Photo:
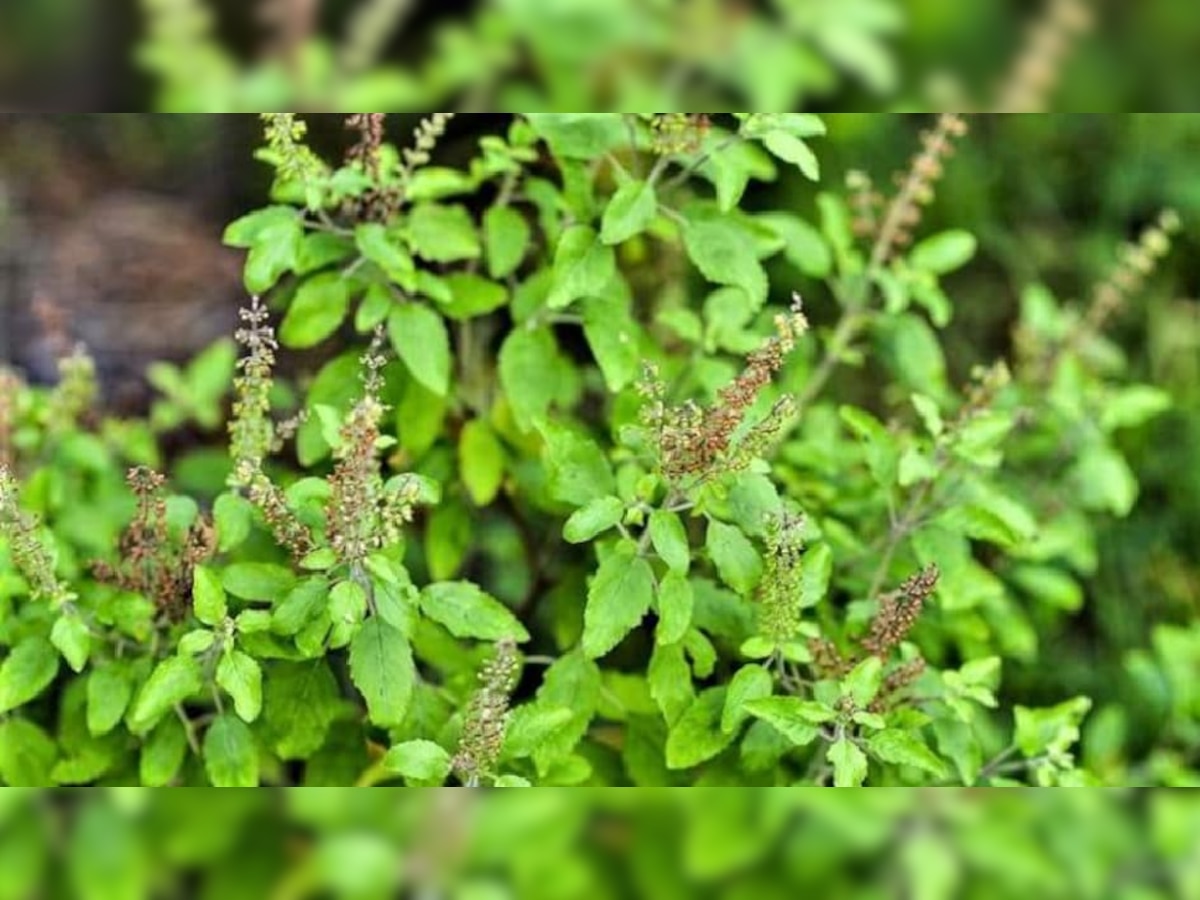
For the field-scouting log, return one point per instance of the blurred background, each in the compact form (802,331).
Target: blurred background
(134,843)
(769,55)
(110,233)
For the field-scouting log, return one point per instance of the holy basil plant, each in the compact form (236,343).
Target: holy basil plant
(576,492)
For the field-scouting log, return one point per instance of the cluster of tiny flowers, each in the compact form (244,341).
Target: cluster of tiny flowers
(284,134)
(1040,62)
(693,440)
(271,501)
(898,612)
(29,555)
(251,431)
(148,563)
(865,203)
(362,515)
(1135,263)
(779,590)
(676,133)
(915,186)
(379,202)
(75,392)
(425,138)
(11,386)
(487,716)
(370,141)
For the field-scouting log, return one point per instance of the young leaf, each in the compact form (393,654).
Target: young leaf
(619,596)
(26,672)
(240,676)
(467,612)
(697,735)
(381,667)
(862,682)
(422,343)
(174,680)
(628,213)
(208,596)
(943,252)
(418,760)
(319,307)
(669,539)
(577,470)
(594,518)
(506,235)
(725,254)
(481,461)
(443,234)
(375,244)
(750,682)
(736,560)
(849,763)
(265,582)
(163,752)
(676,602)
(233,516)
(901,748)
(71,636)
(230,756)
(583,267)
(796,719)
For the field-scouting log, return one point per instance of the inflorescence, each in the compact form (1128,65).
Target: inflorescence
(487,716)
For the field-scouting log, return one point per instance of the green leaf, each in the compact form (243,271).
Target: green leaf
(577,470)
(583,267)
(880,446)
(480,461)
(529,363)
(301,700)
(1051,729)
(239,676)
(725,254)
(266,582)
(230,755)
(697,735)
(670,680)
(736,560)
(579,135)
(614,340)
(669,539)
(163,752)
(274,237)
(630,210)
(618,598)
(422,342)
(797,720)
(173,680)
(928,410)
(109,690)
(815,573)
(319,307)
(1132,406)
(418,760)
(376,245)
(71,636)
(803,246)
(381,667)
(676,602)
(943,252)
(27,756)
(594,518)
(750,682)
(472,295)
(26,672)
(792,149)
(901,748)
(506,235)
(443,234)
(107,856)
(849,763)
(862,682)
(208,596)
(1103,481)
(233,516)
(467,612)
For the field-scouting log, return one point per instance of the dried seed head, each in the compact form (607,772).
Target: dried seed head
(487,716)
(898,612)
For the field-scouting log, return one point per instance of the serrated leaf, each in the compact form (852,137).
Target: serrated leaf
(375,244)
(902,748)
(381,667)
(208,596)
(798,720)
(583,267)
(849,763)
(240,676)
(595,517)
(750,682)
(737,561)
(669,539)
(26,672)
(319,307)
(725,254)
(71,636)
(506,236)
(697,736)
(419,760)
(676,602)
(466,611)
(173,680)
(619,597)
(230,755)
(443,234)
(630,210)
(862,682)
(421,341)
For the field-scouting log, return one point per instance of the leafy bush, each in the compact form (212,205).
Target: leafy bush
(580,504)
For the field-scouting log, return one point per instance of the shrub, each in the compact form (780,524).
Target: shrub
(581,504)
